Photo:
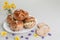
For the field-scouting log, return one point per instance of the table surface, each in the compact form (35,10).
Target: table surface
(47,11)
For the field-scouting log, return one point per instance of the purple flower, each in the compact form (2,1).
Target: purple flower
(32,30)
(6,37)
(29,34)
(13,34)
(49,34)
(42,37)
(26,38)
(21,36)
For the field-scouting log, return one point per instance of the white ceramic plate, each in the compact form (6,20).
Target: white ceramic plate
(6,27)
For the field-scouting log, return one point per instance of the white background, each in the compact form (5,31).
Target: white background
(47,11)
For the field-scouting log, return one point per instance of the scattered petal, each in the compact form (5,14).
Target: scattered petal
(3,33)
(17,38)
(35,35)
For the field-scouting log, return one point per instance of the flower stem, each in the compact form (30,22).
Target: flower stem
(9,11)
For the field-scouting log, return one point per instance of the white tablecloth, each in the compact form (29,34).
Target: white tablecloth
(47,11)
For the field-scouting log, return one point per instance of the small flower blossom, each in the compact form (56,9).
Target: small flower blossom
(3,33)
(35,35)
(6,5)
(17,38)
(13,5)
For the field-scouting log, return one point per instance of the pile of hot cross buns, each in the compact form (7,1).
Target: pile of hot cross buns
(20,19)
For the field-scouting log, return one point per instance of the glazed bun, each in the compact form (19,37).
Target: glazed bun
(9,19)
(20,20)
(16,26)
(20,14)
(19,25)
(29,19)
(29,22)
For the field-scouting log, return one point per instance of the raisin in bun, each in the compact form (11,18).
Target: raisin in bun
(29,22)
(20,14)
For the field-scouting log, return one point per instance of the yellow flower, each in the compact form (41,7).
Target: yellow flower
(35,35)
(6,3)
(17,38)
(6,7)
(13,5)
(3,33)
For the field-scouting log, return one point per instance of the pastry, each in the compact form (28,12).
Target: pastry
(19,25)
(29,22)
(19,20)
(16,26)
(9,19)
(43,29)
(20,14)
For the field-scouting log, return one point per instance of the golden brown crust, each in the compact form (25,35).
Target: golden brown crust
(9,18)
(19,25)
(20,19)
(20,14)
(16,26)
(29,22)
(28,19)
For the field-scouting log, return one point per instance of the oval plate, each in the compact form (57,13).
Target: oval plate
(6,27)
